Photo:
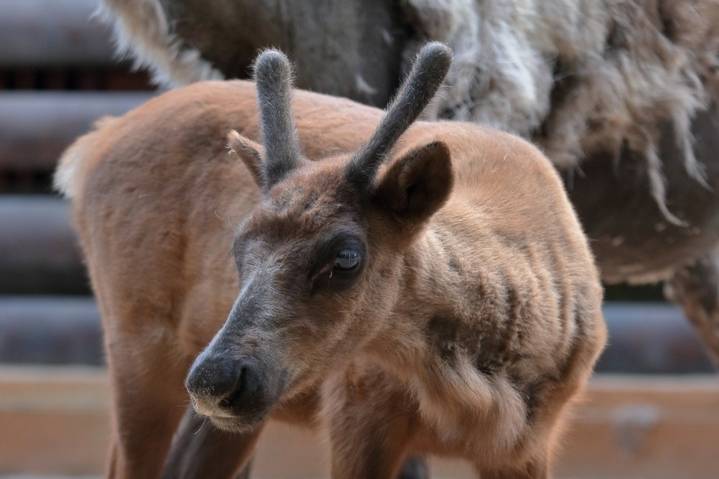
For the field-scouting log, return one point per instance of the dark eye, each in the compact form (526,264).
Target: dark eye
(347,260)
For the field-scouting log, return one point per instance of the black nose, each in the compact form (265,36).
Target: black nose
(229,386)
(247,395)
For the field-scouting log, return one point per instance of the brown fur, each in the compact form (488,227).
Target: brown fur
(467,334)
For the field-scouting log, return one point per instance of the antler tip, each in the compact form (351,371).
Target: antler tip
(272,61)
(436,53)
(437,49)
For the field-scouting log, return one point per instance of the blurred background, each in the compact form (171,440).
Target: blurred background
(652,411)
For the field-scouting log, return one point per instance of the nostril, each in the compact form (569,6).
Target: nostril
(236,395)
(240,393)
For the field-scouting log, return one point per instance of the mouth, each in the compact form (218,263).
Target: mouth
(234,424)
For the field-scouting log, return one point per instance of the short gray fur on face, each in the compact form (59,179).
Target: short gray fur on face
(417,90)
(273,76)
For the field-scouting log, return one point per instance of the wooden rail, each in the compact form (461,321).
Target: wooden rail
(54,421)
(50,330)
(36,127)
(38,248)
(52,32)
(644,338)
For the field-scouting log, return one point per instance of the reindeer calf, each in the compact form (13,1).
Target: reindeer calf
(425,287)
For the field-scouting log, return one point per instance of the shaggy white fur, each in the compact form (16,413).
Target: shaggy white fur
(575,76)
(141,30)
(580,76)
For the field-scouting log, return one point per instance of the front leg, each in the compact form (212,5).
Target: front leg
(371,426)
(201,450)
(147,388)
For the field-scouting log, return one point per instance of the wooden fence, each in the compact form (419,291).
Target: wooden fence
(54,420)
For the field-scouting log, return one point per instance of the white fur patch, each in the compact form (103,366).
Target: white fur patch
(140,28)
(462,404)
(65,178)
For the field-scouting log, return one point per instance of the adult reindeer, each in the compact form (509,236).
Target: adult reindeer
(621,95)
(425,287)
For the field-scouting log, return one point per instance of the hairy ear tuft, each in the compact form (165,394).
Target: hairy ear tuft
(249,152)
(417,183)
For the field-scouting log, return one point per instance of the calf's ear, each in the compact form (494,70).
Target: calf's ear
(249,152)
(416,184)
